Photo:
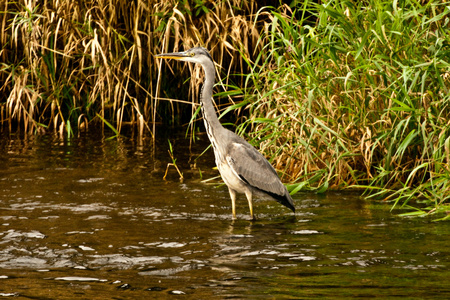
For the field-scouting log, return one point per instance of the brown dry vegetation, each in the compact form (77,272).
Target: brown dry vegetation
(338,94)
(66,64)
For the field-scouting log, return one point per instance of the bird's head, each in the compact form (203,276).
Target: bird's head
(195,55)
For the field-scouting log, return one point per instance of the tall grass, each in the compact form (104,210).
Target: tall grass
(65,65)
(340,94)
(356,94)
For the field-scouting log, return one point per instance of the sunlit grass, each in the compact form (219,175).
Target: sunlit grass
(341,94)
(67,64)
(355,94)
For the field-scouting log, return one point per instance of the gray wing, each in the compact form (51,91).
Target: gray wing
(253,168)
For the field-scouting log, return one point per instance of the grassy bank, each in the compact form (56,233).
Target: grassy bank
(341,94)
(355,94)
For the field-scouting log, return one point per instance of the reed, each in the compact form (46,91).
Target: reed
(355,94)
(340,94)
(65,65)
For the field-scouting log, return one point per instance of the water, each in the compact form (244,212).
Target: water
(93,218)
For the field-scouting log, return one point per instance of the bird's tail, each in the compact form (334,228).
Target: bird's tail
(285,199)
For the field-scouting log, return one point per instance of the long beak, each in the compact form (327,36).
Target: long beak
(175,55)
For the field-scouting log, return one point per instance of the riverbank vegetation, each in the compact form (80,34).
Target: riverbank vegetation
(339,94)
(66,65)
(347,94)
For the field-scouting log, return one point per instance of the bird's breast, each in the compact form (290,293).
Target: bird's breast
(230,178)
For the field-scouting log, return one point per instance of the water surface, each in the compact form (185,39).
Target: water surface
(93,218)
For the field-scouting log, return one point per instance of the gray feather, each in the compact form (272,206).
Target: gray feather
(253,168)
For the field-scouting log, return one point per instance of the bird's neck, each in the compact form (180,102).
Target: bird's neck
(209,113)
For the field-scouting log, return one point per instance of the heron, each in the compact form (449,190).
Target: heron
(243,169)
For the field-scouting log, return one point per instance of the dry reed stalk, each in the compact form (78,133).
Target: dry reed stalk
(91,57)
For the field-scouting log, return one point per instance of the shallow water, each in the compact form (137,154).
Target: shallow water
(93,218)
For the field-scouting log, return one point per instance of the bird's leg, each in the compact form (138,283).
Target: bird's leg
(233,202)
(248,194)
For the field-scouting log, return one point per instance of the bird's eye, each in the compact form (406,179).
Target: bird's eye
(192,54)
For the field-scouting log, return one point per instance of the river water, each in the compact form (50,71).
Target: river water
(93,218)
